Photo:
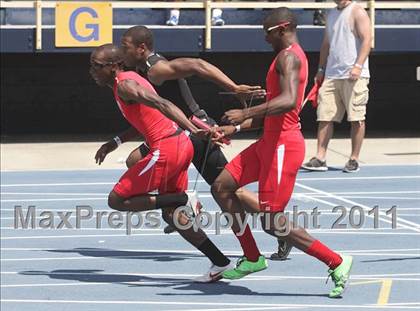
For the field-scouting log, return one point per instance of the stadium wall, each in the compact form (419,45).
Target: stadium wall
(52,93)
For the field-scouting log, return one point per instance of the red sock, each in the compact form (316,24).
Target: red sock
(323,253)
(248,245)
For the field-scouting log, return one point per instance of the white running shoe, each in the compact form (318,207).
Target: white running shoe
(217,21)
(172,21)
(214,274)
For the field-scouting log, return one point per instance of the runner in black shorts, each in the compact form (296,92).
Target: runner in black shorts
(138,48)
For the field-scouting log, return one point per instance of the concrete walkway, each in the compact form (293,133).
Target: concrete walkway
(56,156)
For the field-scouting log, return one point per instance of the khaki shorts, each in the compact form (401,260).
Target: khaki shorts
(337,96)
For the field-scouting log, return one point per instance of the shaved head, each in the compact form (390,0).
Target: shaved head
(108,53)
(105,62)
(281,15)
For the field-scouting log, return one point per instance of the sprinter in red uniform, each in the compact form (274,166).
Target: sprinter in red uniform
(165,167)
(274,160)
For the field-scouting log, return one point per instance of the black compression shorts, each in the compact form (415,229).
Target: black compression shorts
(215,162)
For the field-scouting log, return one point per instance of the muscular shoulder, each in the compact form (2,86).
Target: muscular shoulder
(287,60)
(157,71)
(127,90)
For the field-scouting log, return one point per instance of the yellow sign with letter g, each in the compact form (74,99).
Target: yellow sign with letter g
(83,24)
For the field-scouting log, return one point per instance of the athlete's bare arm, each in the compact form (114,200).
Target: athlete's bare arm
(130,134)
(288,67)
(248,124)
(362,29)
(323,57)
(186,67)
(132,92)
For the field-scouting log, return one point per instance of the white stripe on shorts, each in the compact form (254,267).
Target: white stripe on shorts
(280,158)
(152,162)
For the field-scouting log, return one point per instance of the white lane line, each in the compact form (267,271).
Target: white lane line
(312,198)
(201,196)
(83,284)
(409,215)
(345,200)
(403,304)
(191,167)
(384,250)
(317,199)
(60,184)
(53,200)
(388,275)
(102,170)
(391,164)
(85,236)
(261,308)
(94,229)
(203,181)
(64,284)
(75,184)
(376,198)
(241,309)
(72,199)
(402,222)
(189,303)
(54,193)
(370,192)
(297,197)
(65,209)
(166,281)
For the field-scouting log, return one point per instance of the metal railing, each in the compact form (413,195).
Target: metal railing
(208,5)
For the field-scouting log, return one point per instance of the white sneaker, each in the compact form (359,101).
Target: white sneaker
(217,21)
(172,21)
(194,203)
(214,274)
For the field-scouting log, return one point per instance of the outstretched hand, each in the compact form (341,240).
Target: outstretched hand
(246,92)
(104,150)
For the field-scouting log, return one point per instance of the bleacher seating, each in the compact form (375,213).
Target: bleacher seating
(397,30)
(19,16)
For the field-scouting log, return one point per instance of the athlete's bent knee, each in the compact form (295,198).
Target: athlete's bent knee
(224,185)
(275,224)
(116,202)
